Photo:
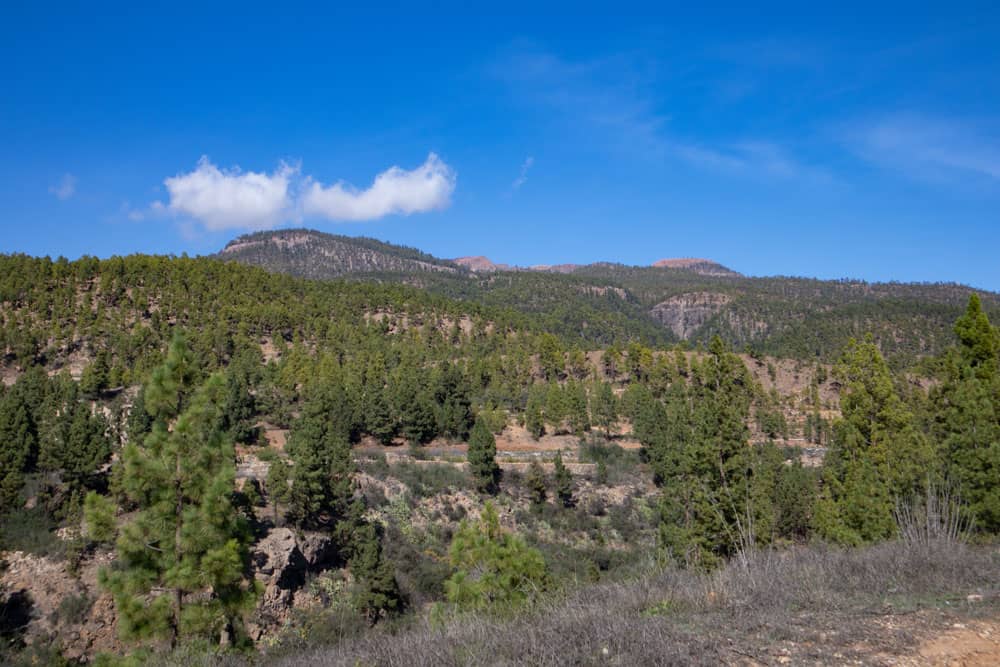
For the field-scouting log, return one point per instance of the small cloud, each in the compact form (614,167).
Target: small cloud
(65,189)
(755,159)
(927,148)
(522,178)
(156,210)
(232,199)
(394,191)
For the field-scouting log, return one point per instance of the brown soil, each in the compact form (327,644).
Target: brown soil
(975,644)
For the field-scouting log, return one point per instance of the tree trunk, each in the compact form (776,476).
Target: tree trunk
(176,623)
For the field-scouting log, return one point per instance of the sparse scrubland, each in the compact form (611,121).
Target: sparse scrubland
(204,463)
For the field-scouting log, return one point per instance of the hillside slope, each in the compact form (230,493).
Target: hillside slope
(673,300)
(310,254)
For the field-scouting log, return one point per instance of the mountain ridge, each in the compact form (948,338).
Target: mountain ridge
(690,299)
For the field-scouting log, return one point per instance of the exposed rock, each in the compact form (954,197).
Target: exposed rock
(684,314)
(281,562)
(704,267)
(42,587)
(318,550)
(278,560)
(480,263)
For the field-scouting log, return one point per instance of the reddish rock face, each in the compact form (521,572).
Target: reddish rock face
(705,267)
(478,263)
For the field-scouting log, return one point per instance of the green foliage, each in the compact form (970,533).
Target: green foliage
(279,492)
(73,440)
(99,518)
(877,454)
(319,444)
(452,402)
(534,419)
(18,445)
(979,342)
(605,406)
(494,568)
(536,483)
(966,416)
(563,482)
(182,558)
(717,491)
(550,357)
(95,377)
(482,456)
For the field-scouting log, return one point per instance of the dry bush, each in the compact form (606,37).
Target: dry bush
(815,597)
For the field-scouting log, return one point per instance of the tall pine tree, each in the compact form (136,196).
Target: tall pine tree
(877,455)
(482,456)
(182,559)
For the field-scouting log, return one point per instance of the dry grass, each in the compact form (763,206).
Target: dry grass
(814,604)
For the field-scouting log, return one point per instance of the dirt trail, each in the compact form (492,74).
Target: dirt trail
(972,644)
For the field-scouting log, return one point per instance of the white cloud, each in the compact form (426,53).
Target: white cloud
(220,199)
(522,178)
(927,148)
(619,98)
(761,160)
(394,191)
(232,199)
(65,189)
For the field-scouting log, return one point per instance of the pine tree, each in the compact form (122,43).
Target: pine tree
(612,360)
(139,422)
(240,409)
(979,342)
(414,405)
(579,415)
(550,357)
(877,455)
(715,501)
(18,445)
(534,420)
(378,593)
(535,481)
(493,566)
(563,481)
(556,407)
(601,475)
(94,379)
(966,416)
(182,559)
(454,409)
(278,490)
(379,421)
(319,445)
(605,407)
(482,458)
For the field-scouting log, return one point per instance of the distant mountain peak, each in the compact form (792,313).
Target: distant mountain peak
(705,267)
(480,264)
(312,254)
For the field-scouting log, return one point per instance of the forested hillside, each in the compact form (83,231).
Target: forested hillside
(782,316)
(309,254)
(201,458)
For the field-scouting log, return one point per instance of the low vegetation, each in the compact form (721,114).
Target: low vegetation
(233,464)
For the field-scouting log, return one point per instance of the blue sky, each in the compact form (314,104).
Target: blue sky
(862,141)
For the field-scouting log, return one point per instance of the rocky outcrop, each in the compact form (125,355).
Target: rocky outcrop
(53,602)
(704,267)
(281,561)
(684,314)
(480,264)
